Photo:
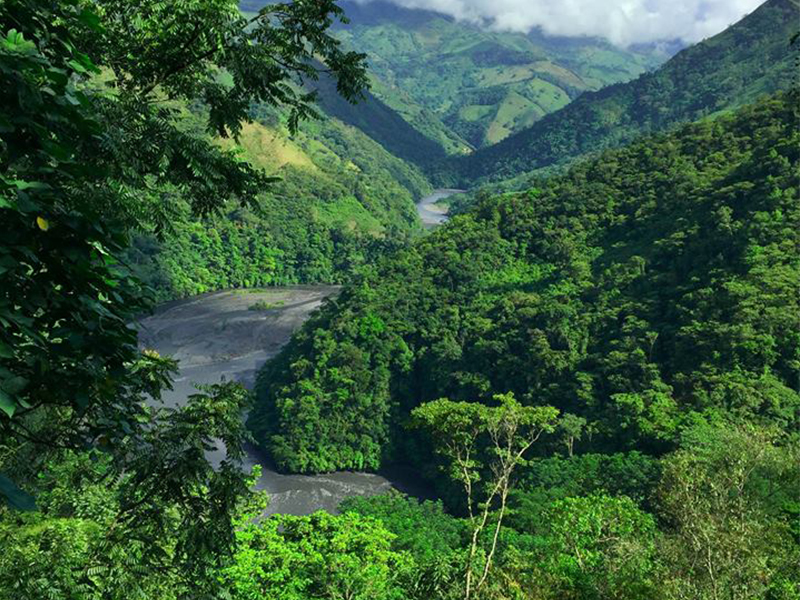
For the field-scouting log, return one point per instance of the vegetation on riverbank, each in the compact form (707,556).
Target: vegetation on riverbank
(324,218)
(340,200)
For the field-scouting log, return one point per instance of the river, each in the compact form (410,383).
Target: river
(430,214)
(217,336)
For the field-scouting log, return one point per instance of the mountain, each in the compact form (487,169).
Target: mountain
(645,290)
(349,181)
(751,58)
(480,85)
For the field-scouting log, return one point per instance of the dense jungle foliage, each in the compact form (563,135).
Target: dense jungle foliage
(648,289)
(729,70)
(651,296)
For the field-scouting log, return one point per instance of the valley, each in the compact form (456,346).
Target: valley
(711,78)
(430,213)
(228,336)
(470,87)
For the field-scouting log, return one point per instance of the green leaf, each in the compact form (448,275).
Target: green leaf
(7,404)
(15,497)
(29,185)
(76,66)
(14,385)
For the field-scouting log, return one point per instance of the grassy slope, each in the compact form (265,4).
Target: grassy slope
(732,69)
(338,161)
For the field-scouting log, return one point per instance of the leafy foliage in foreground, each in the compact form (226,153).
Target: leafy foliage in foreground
(720,525)
(91,148)
(158,524)
(648,289)
(720,74)
(319,556)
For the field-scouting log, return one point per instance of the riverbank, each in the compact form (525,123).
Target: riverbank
(231,335)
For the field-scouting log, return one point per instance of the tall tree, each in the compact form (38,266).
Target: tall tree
(729,497)
(457,429)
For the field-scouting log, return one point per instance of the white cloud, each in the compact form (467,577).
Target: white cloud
(623,22)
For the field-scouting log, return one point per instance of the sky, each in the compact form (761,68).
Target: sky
(622,22)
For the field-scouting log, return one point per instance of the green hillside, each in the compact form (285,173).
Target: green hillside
(341,199)
(380,122)
(729,70)
(647,290)
(482,85)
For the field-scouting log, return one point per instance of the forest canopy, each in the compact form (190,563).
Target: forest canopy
(648,289)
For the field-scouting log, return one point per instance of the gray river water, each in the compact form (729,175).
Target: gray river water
(216,336)
(429,213)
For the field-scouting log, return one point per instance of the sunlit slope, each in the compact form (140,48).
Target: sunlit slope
(340,199)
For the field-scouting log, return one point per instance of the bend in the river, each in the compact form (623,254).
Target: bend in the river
(219,336)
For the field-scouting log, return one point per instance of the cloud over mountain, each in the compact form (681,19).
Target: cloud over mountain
(623,22)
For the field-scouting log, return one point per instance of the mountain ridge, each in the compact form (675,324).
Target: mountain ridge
(481,84)
(709,77)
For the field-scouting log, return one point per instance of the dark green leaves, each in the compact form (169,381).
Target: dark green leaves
(92,20)
(83,162)
(7,403)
